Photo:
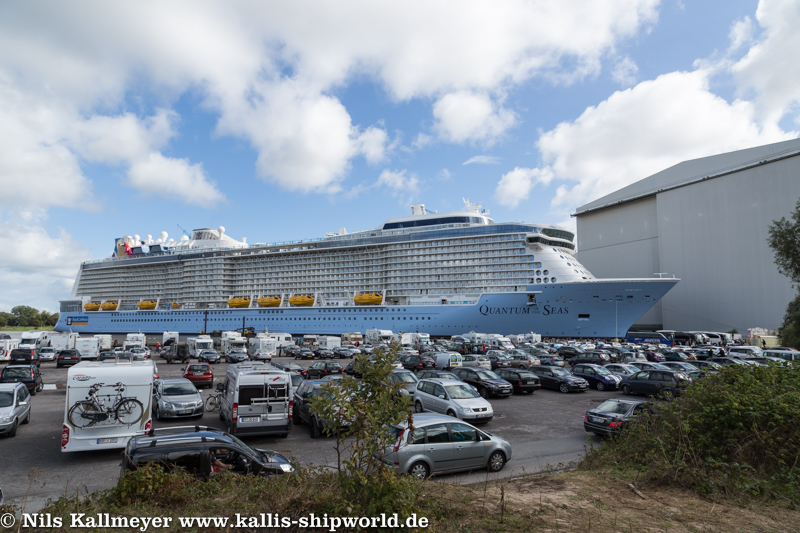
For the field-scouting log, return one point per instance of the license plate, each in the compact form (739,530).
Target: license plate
(198,373)
(106,441)
(483,416)
(249,419)
(185,412)
(594,419)
(584,386)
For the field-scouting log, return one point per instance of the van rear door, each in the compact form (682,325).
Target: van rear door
(278,391)
(253,408)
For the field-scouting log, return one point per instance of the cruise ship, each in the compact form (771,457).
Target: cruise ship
(438,273)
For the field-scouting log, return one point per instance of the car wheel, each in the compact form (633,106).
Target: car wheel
(33,390)
(58,366)
(284,435)
(27,418)
(419,470)
(668,394)
(484,392)
(563,388)
(418,407)
(452,413)
(626,390)
(13,431)
(156,412)
(313,428)
(297,420)
(601,386)
(222,418)
(496,461)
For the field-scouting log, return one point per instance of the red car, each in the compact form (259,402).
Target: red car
(200,374)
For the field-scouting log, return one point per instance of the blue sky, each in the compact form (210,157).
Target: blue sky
(286,121)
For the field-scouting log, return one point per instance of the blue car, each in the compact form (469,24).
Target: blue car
(597,376)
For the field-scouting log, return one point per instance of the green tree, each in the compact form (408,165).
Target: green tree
(784,239)
(789,332)
(27,316)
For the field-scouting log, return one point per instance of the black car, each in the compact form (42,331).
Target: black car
(609,417)
(208,356)
(560,379)
(570,351)
(202,452)
(24,356)
(498,361)
(592,358)
(174,353)
(667,383)
(343,352)
(237,355)
(437,374)
(291,367)
(523,381)
(302,406)
(323,368)
(302,353)
(68,357)
(597,376)
(486,382)
(418,362)
(28,375)
(104,354)
(324,353)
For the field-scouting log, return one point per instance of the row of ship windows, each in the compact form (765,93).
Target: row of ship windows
(275,319)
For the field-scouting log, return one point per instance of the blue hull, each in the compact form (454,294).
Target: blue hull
(587,309)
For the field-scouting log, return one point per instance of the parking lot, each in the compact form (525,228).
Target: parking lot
(544,429)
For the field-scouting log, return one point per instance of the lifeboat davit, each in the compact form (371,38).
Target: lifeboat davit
(175,305)
(301,300)
(147,304)
(108,306)
(368,299)
(91,306)
(239,302)
(269,301)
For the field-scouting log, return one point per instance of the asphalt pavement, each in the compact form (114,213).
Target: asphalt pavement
(545,430)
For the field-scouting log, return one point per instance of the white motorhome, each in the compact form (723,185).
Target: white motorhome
(33,340)
(107,431)
(63,341)
(474,338)
(105,341)
(231,340)
(352,338)
(134,340)
(420,339)
(6,345)
(310,340)
(262,347)
(198,344)
(282,339)
(256,400)
(173,336)
(498,341)
(88,347)
(406,339)
(533,337)
(329,343)
(376,336)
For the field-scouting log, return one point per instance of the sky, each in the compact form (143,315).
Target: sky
(288,120)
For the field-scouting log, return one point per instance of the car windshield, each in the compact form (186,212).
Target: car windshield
(405,377)
(461,392)
(600,371)
(17,373)
(69,352)
(47,350)
(197,368)
(483,358)
(656,366)
(485,374)
(6,399)
(209,352)
(179,389)
(526,375)
(611,406)
(560,371)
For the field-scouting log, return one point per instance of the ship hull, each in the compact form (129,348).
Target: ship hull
(588,309)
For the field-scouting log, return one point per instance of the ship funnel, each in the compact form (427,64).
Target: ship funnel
(418,209)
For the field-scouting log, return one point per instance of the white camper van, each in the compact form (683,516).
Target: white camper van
(88,348)
(6,345)
(107,403)
(376,336)
(134,340)
(105,341)
(256,400)
(63,341)
(198,344)
(282,339)
(33,340)
(231,340)
(262,347)
(173,336)
(329,343)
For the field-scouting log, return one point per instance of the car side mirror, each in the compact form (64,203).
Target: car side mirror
(441,396)
(23,403)
(183,369)
(41,373)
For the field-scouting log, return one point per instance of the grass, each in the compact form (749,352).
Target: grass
(26,328)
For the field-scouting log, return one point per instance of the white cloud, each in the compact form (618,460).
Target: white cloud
(402,185)
(637,132)
(422,140)
(121,139)
(465,116)
(444,175)
(741,33)
(166,178)
(483,160)
(624,71)
(515,186)
(372,143)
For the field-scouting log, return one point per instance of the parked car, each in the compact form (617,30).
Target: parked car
(592,358)
(144,352)
(102,355)
(453,398)
(302,414)
(291,367)
(706,366)
(47,354)
(498,360)
(437,374)
(24,356)
(302,353)
(175,398)
(344,352)
(551,360)
(200,374)
(15,407)
(209,449)
(322,368)
(559,379)
(726,361)
(324,353)
(407,379)
(597,376)
(680,366)
(610,417)
(523,381)
(476,360)
(434,442)
(567,352)
(667,383)
(645,365)
(485,381)
(677,356)
(208,356)
(418,362)
(621,369)
(27,375)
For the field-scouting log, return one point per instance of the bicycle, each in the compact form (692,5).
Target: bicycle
(213,402)
(88,412)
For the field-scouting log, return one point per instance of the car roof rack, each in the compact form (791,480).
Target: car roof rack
(184,429)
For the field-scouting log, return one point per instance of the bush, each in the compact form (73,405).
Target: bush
(736,433)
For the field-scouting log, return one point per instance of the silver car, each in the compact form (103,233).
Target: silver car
(407,379)
(174,398)
(479,361)
(15,407)
(453,398)
(622,370)
(47,354)
(444,444)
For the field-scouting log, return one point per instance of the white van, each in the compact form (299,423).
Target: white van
(111,417)
(256,400)
(448,360)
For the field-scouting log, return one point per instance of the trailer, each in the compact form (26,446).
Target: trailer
(262,347)
(106,342)
(6,345)
(310,340)
(329,343)
(352,338)
(88,348)
(168,336)
(63,341)
(420,340)
(282,339)
(198,344)
(107,427)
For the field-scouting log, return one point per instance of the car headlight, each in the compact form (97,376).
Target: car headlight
(492,385)
(287,468)
(466,410)
(5,419)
